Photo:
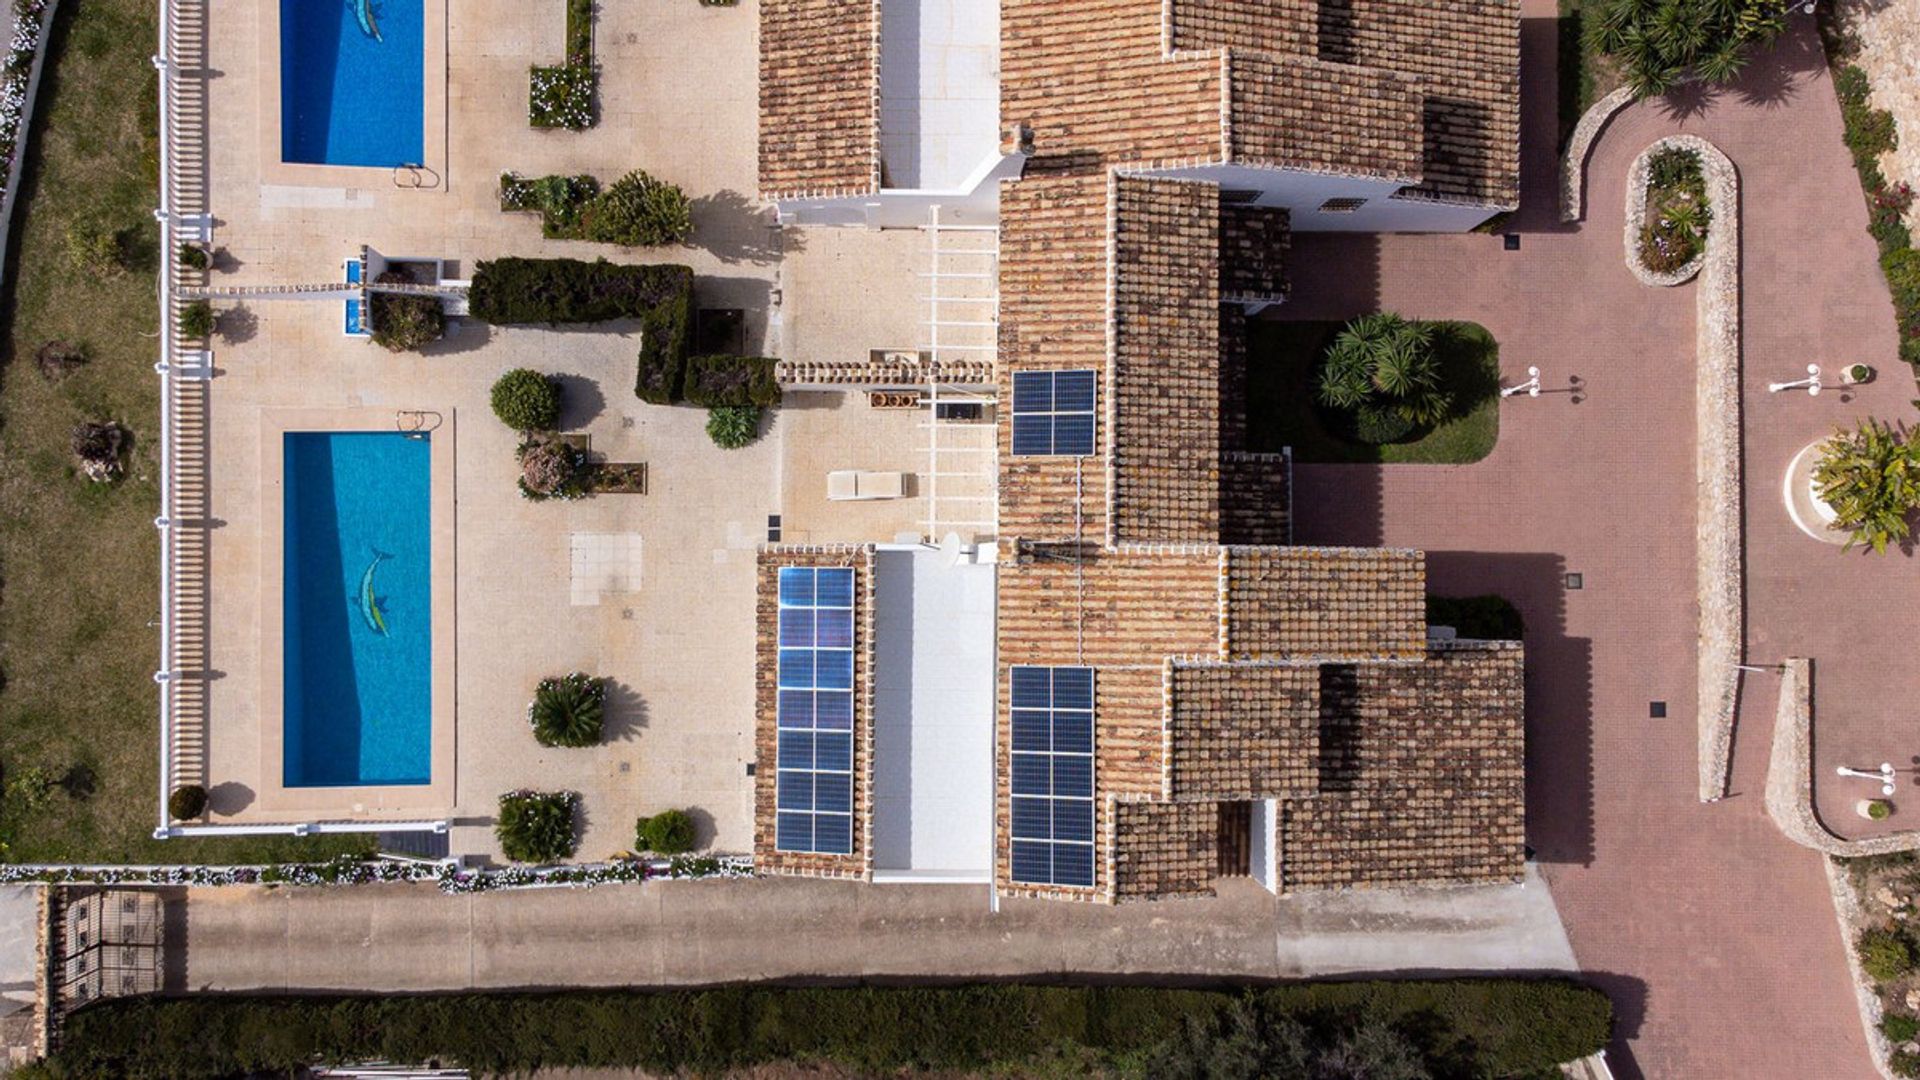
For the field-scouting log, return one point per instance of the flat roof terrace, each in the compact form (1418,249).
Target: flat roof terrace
(939,92)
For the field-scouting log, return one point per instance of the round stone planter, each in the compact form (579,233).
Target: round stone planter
(1715,170)
(1809,512)
(1856,374)
(1864,807)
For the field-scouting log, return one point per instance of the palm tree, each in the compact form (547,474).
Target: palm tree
(1385,362)
(1660,42)
(569,710)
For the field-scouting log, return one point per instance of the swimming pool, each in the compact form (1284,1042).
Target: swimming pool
(357,693)
(352,93)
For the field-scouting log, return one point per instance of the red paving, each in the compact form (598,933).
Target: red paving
(1714,933)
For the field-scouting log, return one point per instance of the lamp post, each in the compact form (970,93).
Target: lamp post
(1811,384)
(1531,387)
(1884,776)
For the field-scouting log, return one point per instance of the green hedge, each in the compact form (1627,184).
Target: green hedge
(514,290)
(1465,1027)
(715,381)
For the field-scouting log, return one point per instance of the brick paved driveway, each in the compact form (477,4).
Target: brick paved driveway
(1715,933)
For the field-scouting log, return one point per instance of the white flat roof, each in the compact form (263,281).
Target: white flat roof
(939,91)
(933,711)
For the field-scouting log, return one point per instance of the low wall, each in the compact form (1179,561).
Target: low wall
(1573,164)
(1789,795)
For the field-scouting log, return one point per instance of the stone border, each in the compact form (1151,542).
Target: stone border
(1847,912)
(1637,177)
(1573,164)
(1789,792)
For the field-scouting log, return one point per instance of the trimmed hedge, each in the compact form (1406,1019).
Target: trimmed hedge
(518,291)
(716,381)
(664,331)
(1465,1027)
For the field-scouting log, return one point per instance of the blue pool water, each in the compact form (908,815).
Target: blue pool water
(345,97)
(358,695)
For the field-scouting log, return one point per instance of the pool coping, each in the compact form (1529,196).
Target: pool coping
(433,147)
(372,801)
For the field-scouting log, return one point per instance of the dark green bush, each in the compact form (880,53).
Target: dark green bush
(197,321)
(1477,1027)
(517,291)
(536,826)
(713,381)
(638,211)
(568,710)
(732,427)
(1899,1027)
(526,400)
(1904,1063)
(669,832)
(194,257)
(187,802)
(1884,954)
(1478,618)
(403,322)
(1379,426)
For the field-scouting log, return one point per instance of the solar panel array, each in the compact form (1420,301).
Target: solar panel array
(814,799)
(1053,412)
(1052,750)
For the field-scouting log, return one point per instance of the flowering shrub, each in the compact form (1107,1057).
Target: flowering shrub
(561,97)
(14,72)
(568,710)
(551,469)
(351,871)
(537,826)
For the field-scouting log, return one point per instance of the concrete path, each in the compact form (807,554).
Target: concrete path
(1715,935)
(408,937)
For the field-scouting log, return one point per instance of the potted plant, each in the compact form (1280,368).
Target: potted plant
(1855,374)
(1873,809)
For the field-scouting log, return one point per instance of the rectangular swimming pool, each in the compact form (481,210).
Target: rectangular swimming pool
(357,690)
(352,82)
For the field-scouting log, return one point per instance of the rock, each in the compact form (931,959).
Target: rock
(1913,1000)
(1887,898)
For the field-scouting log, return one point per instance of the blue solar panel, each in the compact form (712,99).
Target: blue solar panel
(1053,412)
(1052,775)
(814,782)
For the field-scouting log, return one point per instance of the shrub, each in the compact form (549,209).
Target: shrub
(558,199)
(1902,269)
(403,322)
(1899,1027)
(561,97)
(1879,809)
(551,469)
(1870,478)
(1479,618)
(187,802)
(733,426)
(1904,1063)
(1377,426)
(638,211)
(660,372)
(1677,211)
(1388,363)
(96,250)
(98,445)
(1884,955)
(536,826)
(526,400)
(518,291)
(669,832)
(1469,1027)
(713,381)
(568,710)
(197,321)
(1659,42)
(194,257)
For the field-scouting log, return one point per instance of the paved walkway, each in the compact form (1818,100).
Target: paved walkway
(411,937)
(1714,933)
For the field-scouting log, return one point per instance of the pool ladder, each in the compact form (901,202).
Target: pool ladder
(415,423)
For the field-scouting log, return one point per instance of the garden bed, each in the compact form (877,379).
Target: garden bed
(1883,929)
(562,95)
(1668,214)
(1283,360)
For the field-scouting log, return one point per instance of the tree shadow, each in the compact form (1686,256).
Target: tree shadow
(229,798)
(239,324)
(463,335)
(581,401)
(625,714)
(734,229)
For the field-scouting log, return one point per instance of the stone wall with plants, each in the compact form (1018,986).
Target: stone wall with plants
(450,877)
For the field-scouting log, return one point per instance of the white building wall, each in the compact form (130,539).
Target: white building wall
(1302,194)
(1264,861)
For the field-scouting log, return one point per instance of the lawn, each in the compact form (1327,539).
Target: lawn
(79,561)
(1282,360)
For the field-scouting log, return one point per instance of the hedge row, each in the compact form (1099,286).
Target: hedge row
(718,381)
(563,291)
(1466,1027)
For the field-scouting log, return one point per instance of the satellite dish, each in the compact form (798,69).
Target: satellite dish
(951,547)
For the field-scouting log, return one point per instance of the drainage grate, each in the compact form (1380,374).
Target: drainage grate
(1576,581)
(1511,241)
(1657,710)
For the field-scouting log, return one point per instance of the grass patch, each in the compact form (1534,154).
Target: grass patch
(1585,73)
(1480,1028)
(80,561)
(1283,357)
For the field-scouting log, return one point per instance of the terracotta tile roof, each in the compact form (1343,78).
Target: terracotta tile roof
(1242,731)
(1164,431)
(1296,112)
(766,733)
(1259,509)
(1161,850)
(1269,26)
(1422,775)
(819,97)
(1325,603)
(1253,252)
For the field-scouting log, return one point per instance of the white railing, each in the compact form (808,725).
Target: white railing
(169,259)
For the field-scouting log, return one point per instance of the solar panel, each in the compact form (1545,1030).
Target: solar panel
(1053,412)
(1052,780)
(813,798)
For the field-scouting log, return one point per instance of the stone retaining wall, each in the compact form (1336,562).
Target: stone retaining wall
(1573,165)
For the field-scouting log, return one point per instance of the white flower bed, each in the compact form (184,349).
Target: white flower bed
(351,871)
(28,16)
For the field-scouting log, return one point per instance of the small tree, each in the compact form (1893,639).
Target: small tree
(669,832)
(1870,478)
(526,400)
(197,321)
(733,426)
(1385,365)
(194,257)
(536,826)
(187,802)
(638,211)
(568,710)
(1660,42)
(403,322)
